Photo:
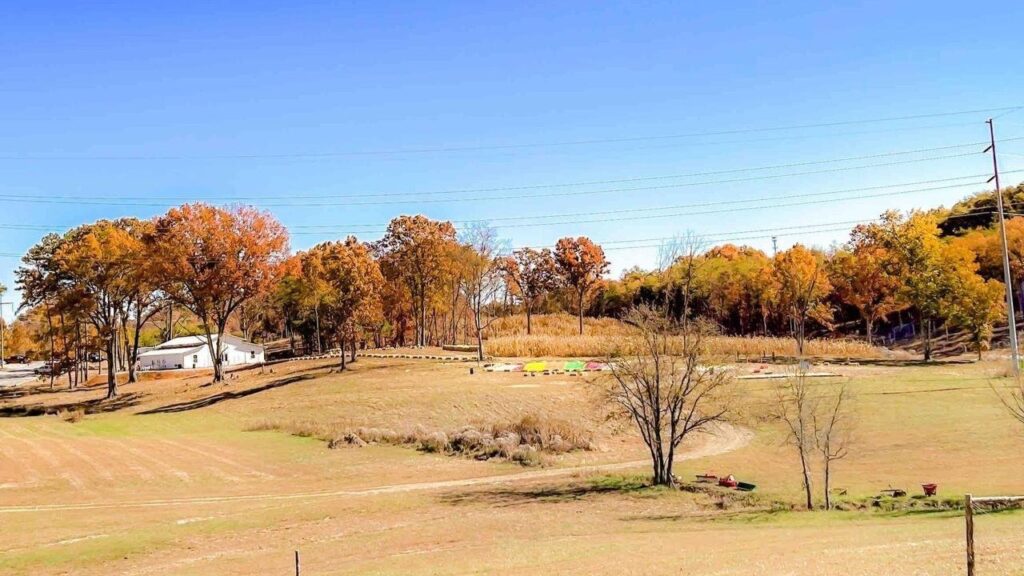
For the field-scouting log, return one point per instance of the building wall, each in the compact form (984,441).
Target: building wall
(174,359)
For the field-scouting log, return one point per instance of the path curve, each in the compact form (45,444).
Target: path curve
(727,439)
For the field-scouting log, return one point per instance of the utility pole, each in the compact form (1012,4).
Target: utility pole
(1007,278)
(775,246)
(3,325)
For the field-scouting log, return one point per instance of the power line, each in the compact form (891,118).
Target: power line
(120,198)
(678,214)
(310,229)
(738,235)
(694,205)
(76,200)
(444,149)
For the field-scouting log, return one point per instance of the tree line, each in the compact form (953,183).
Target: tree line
(99,286)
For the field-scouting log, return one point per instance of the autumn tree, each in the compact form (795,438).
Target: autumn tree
(803,287)
(664,384)
(99,262)
(416,251)
(481,276)
(986,244)
(39,281)
(531,274)
(353,280)
(920,259)
(860,278)
(581,264)
(144,300)
(971,303)
(738,285)
(212,260)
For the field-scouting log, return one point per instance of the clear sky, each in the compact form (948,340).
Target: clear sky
(326,112)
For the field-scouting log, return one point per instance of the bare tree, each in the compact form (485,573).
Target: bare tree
(833,427)
(664,386)
(682,252)
(1013,400)
(481,278)
(797,408)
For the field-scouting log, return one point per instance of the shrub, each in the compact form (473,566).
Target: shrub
(72,415)
(523,441)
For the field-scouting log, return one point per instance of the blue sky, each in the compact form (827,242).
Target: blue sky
(323,111)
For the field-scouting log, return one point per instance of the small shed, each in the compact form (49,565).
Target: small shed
(191,352)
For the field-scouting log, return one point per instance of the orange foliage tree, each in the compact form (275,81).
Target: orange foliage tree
(353,281)
(100,263)
(531,274)
(211,260)
(860,279)
(416,251)
(581,263)
(803,287)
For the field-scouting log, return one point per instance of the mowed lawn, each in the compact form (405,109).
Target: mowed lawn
(175,482)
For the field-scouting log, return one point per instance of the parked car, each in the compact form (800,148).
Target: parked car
(17,359)
(44,370)
(95,357)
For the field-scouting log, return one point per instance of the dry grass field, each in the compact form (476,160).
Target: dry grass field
(181,477)
(558,335)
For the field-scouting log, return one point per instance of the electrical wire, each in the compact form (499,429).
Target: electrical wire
(121,198)
(85,201)
(447,149)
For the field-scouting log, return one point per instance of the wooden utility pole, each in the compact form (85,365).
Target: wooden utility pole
(3,326)
(969,522)
(1007,277)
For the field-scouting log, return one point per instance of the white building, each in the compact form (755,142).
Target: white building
(192,352)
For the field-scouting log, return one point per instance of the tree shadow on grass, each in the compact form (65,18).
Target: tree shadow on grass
(93,406)
(548,494)
(228,395)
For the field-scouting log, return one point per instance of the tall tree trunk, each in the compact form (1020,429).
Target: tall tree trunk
(580,308)
(805,468)
(218,366)
(354,347)
(926,330)
(529,314)
(133,353)
(341,348)
(869,329)
(49,323)
(316,315)
(828,484)
(479,334)
(111,372)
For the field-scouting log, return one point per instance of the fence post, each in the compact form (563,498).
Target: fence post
(969,524)
(296,563)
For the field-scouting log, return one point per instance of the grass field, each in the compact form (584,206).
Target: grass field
(174,479)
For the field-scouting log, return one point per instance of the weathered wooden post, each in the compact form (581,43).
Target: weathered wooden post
(969,524)
(296,563)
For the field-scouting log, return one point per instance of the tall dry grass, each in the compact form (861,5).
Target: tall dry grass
(555,325)
(556,335)
(535,346)
(527,441)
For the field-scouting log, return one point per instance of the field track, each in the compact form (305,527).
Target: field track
(728,439)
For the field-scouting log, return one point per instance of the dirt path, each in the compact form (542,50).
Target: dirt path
(729,438)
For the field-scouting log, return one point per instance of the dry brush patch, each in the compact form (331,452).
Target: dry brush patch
(528,441)
(535,345)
